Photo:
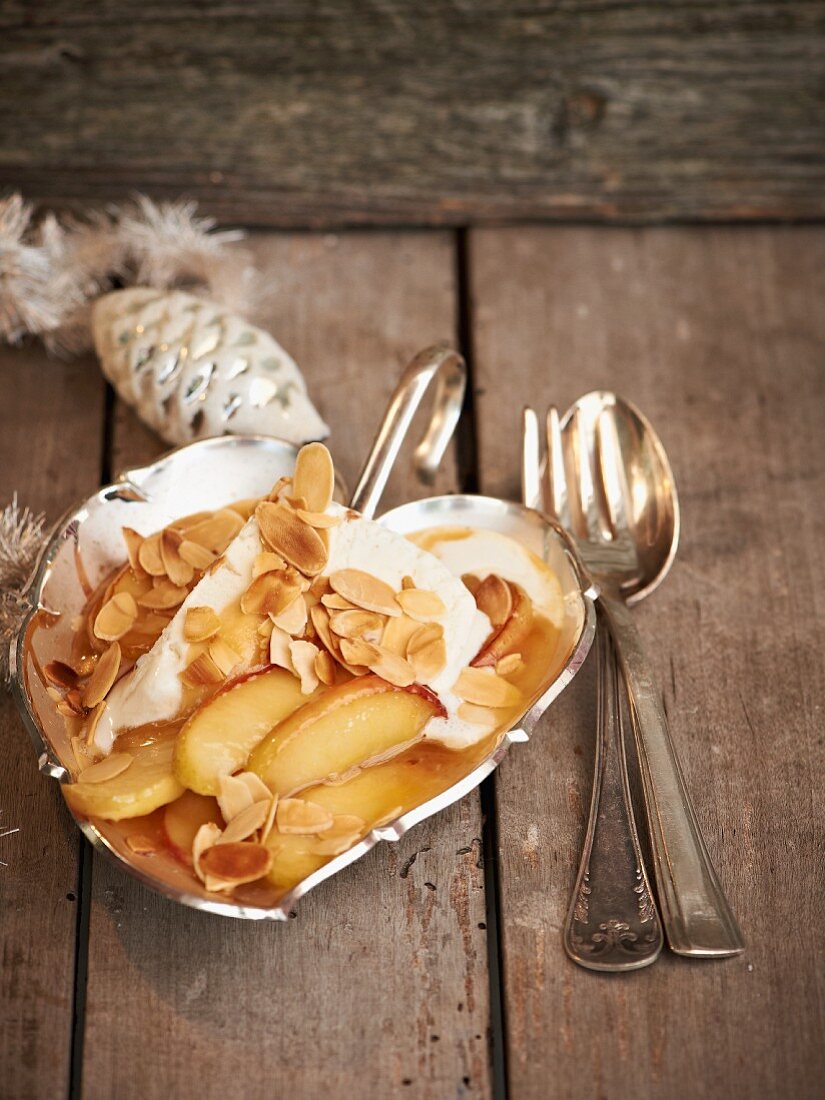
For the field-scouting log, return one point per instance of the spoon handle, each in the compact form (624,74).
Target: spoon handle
(613,923)
(695,911)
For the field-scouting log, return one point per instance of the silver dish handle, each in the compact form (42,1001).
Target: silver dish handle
(442,365)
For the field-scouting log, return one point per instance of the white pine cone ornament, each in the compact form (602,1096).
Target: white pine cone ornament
(193,369)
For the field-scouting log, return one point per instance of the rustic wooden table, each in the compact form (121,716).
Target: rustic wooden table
(434,968)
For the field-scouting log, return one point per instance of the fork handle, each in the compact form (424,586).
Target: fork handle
(695,912)
(612,924)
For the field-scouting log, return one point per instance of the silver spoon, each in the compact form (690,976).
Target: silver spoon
(626,521)
(612,923)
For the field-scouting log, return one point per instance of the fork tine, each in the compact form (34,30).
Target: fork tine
(530,459)
(555,478)
(588,517)
(611,470)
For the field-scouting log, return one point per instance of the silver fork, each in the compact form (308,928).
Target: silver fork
(612,923)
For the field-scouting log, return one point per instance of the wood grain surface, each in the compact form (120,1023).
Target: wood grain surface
(719,337)
(379,986)
(385,984)
(51,437)
(299,114)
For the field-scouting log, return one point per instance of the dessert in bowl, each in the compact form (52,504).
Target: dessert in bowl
(251,694)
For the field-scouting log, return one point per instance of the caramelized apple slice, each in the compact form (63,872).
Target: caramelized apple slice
(514,631)
(222,733)
(375,794)
(347,726)
(147,783)
(182,819)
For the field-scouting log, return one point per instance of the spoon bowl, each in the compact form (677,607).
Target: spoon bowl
(638,494)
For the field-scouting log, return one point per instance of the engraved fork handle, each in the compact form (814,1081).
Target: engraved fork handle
(612,924)
(695,912)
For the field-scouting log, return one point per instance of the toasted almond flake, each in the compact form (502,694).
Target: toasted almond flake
(398,632)
(471,582)
(163,596)
(271,593)
(200,624)
(244,824)
(320,620)
(423,636)
(420,604)
(392,668)
(509,664)
(133,541)
(429,660)
(314,477)
(177,570)
(202,672)
(149,556)
(365,591)
(321,521)
(105,673)
(485,687)
(267,562)
(224,656)
(142,845)
(60,674)
(74,700)
(297,815)
(65,710)
(295,503)
(255,785)
(325,668)
(228,865)
(345,830)
(495,598)
(107,768)
(205,838)
(391,815)
(407,582)
(478,716)
(84,754)
(356,651)
(116,617)
(357,624)
(216,532)
(279,643)
(333,602)
(303,656)
(293,618)
(196,555)
(319,587)
(287,535)
(278,488)
(266,828)
(234,796)
(97,714)
(55,695)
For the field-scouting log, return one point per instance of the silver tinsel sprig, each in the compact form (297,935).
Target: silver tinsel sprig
(21,536)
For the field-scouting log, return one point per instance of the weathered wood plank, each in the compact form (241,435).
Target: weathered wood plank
(51,432)
(299,114)
(718,336)
(379,987)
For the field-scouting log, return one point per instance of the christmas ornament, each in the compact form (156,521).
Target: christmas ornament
(192,369)
(175,343)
